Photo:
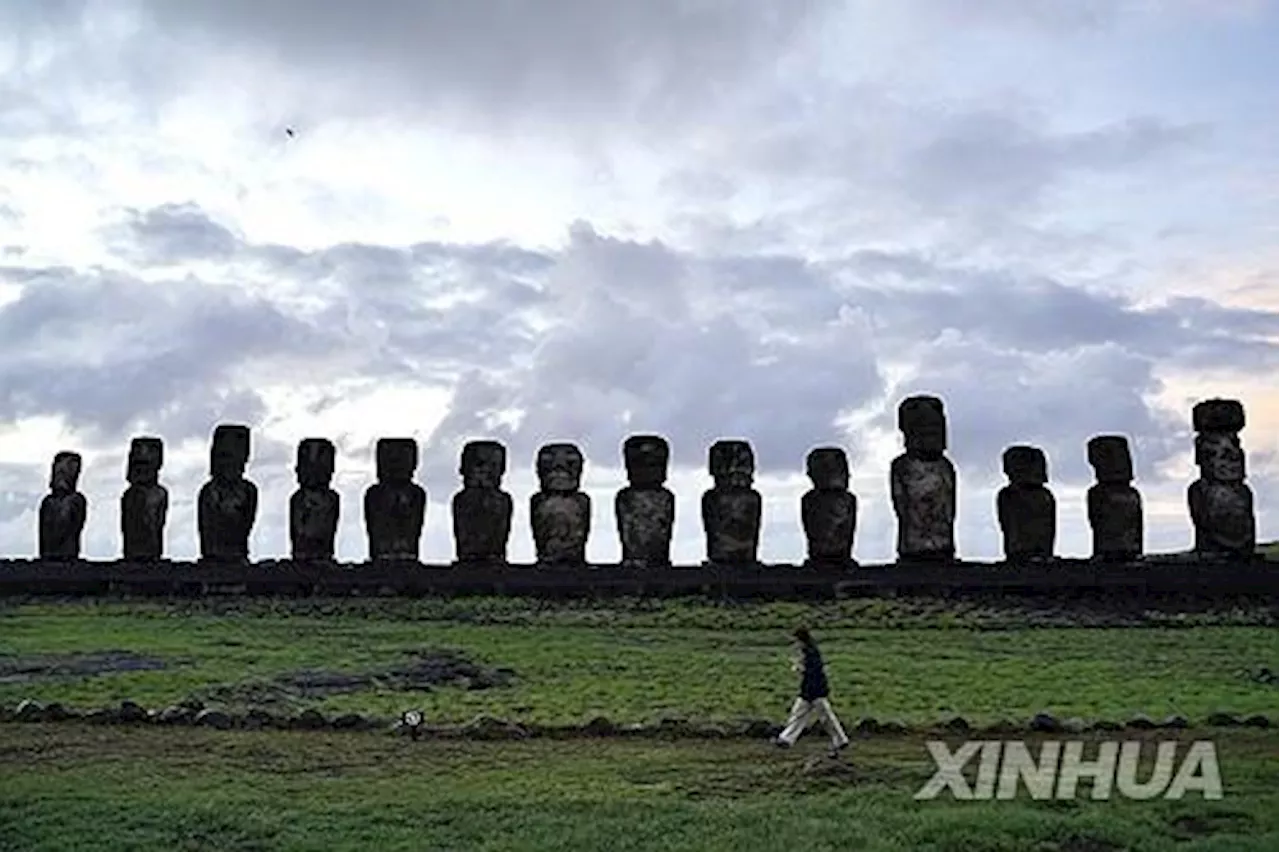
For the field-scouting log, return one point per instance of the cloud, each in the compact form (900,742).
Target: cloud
(605,337)
(571,59)
(111,353)
(997,159)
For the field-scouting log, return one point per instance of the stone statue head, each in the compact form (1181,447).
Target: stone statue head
(483,464)
(1110,458)
(1217,415)
(230,451)
(65,474)
(316,457)
(396,460)
(1026,465)
(559,467)
(923,423)
(646,458)
(732,464)
(1220,457)
(146,457)
(828,468)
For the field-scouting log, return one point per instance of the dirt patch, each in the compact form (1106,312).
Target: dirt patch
(31,667)
(423,671)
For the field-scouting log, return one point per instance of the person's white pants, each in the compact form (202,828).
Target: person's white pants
(804,713)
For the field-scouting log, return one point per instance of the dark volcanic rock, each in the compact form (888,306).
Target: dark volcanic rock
(214,719)
(1045,723)
(560,513)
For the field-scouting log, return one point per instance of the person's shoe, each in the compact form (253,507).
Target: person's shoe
(835,750)
(781,744)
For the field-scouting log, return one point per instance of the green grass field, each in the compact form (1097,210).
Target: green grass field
(640,661)
(74,786)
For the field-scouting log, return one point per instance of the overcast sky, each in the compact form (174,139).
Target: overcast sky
(575,219)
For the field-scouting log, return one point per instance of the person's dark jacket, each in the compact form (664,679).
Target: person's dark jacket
(813,683)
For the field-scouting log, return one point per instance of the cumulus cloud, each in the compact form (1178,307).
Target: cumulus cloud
(608,336)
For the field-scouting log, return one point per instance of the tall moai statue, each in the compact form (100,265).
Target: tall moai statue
(732,508)
(1026,509)
(144,506)
(481,509)
(314,507)
(560,513)
(1114,505)
(922,482)
(395,506)
(645,508)
(1221,503)
(829,511)
(62,511)
(227,505)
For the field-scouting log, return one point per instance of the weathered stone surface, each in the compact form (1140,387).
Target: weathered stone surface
(309,720)
(1114,505)
(482,510)
(1046,723)
(228,503)
(395,506)
(132,713)
(176,714)
(560,513)
(645,509)
(214,719)
(922,483)
(63,511)
(314,507)
(829,512)
(29,710)
(144,506)
(1026,509)
(1221,503)
(731,509)
(257,719)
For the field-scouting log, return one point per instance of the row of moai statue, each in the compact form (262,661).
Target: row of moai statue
(922,486)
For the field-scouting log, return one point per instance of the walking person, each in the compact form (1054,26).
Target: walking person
(813,702)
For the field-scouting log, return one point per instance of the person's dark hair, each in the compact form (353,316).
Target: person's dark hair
(803,636)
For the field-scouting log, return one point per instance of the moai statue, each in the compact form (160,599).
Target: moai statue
(1026,509)
(1115,506)
(395,506)
(314,507)
(922,482)
(227,504)
(645,509)
(144,506)
(829,512)
(1221,503)
(62,511)
(731,509)
(482,510)
(560,513)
